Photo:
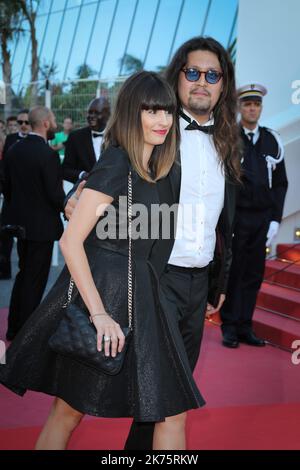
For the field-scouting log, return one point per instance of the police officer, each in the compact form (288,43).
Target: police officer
(258,215)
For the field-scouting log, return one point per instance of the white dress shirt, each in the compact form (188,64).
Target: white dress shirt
(21,135)
(97,141)
(201,198)
(254,131)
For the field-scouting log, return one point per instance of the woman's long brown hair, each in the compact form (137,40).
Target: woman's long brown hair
(143,90)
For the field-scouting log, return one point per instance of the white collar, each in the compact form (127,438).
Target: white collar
(97,132)
(254,131)
(210,122)
(39,135)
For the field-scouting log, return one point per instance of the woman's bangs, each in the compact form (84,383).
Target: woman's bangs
(158,97)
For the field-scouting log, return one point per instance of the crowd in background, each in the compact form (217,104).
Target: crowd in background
(13,125)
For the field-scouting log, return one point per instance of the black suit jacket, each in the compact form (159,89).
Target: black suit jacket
(255,193)
(79,154)
(33,189)
(9,141)
(1,175)
(169,191)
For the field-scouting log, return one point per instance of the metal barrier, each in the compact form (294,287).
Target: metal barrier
(67,98)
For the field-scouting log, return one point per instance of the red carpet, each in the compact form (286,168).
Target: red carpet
(290,252)
(234,428)
(289,277)
(252,394)
(277,314)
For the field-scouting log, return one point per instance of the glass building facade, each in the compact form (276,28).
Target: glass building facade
(99,32)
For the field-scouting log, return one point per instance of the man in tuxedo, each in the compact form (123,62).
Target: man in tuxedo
(6,238)
(34,194)
(83,147)
(259,210)
(195,268)
(23,130)
(11,125)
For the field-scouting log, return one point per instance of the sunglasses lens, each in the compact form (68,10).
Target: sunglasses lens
(192,75)
(212,76)
(23,122)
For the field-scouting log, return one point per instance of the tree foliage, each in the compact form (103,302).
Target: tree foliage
(130,64)
(10,24)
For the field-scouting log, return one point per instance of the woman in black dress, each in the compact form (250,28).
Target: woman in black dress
(155,383)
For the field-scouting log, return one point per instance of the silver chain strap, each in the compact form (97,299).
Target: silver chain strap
(70,290)
(130,282)
(129,250)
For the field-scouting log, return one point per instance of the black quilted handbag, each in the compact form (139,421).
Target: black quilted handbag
(76,335)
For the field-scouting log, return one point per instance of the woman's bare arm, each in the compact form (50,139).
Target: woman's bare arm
(88,209)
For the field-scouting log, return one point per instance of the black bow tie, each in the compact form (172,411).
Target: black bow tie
(97,134)
(194,126)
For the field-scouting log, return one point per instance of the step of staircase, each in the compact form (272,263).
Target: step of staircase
(288,252)
(274,274)
(279,299)
(277,314)
(276,329)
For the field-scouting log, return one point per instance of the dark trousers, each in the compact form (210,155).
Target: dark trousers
(185,299)
(247,270)
(30,282)
(6,244)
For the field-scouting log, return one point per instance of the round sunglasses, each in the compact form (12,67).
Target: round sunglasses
(211,76)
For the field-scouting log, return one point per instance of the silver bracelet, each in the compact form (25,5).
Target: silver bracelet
(97,315)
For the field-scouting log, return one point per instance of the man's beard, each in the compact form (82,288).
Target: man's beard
(50,134)
(201,108)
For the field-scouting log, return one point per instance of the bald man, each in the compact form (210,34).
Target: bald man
(83,145)
(34,194)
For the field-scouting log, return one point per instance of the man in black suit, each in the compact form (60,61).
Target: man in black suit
(83,145)
(24,129)
(195,268)
(259,209)
(34,193)
(6,238)
(11,125)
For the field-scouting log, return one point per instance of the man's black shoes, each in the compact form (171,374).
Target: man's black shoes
(251,339)
(230,340)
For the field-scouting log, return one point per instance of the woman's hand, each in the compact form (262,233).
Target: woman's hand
(72,202)
(210,310)
(107,328)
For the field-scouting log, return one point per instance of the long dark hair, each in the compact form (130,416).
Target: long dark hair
(226,134)
(143,90)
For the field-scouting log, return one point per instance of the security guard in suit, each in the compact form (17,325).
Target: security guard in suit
(6,237)
(258,214)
